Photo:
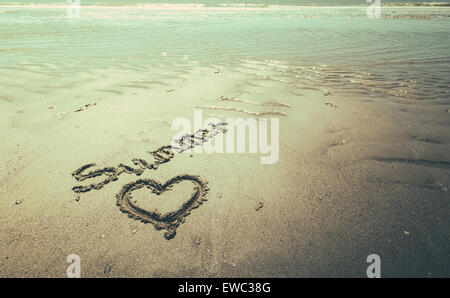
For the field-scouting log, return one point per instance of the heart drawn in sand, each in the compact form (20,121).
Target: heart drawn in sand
(168,221)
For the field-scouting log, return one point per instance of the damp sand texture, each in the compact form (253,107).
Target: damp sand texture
(86,111)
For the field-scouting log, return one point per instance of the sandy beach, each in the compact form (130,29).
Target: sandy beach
(363,165)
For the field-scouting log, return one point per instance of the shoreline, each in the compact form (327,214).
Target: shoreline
(229,7)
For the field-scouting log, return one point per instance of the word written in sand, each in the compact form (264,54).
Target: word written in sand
(251,134)
(169,221)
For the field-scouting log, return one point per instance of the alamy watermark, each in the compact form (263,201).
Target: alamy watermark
(374,9)
(74,269)
(73,11)
(234,140)
(374,269)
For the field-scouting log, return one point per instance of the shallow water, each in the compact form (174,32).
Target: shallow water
(403,55)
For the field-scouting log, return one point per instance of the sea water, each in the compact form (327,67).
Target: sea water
(45,49)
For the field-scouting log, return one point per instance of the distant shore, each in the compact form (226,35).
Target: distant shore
(195,6)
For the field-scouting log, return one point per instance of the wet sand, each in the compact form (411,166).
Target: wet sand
(363,167)
(354,178)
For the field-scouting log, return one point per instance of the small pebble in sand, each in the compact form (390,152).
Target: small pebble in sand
(134,231)
(259,206)
(18,202)
(197,240)
(331,105)
(77,198)
(85,107)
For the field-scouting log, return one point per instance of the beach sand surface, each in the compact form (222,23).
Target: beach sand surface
(363,165)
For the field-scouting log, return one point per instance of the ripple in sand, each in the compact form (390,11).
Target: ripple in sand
(256,114)
(133,86)
(439,164)
(164,122)
(117,92)
(6,98)
(270,103)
